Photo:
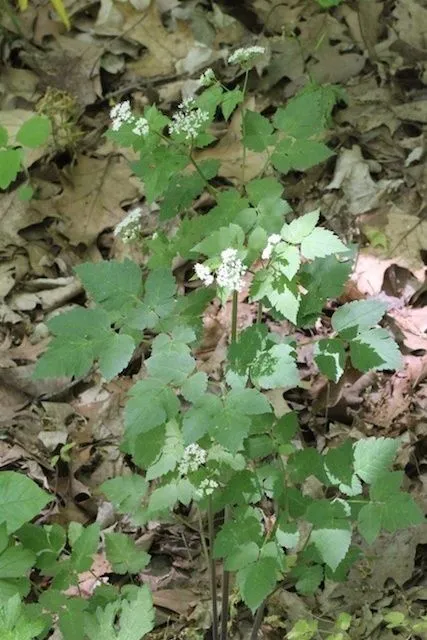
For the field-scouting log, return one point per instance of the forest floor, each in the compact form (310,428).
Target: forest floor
(373,192)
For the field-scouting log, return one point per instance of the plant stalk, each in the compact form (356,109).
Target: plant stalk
(234,308)
(258,621)
(212,572)
(259,313)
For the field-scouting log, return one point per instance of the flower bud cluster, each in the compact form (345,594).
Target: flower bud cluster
(229,274)
(193,458)
(121,114)
(274,239)
(129,228)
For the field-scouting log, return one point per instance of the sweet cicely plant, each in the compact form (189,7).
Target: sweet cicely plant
(219,443)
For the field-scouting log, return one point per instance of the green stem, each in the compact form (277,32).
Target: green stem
(245,84)
(259,313)
(235,305)
(225,593)
(212,190)
(212,572)
(257,621)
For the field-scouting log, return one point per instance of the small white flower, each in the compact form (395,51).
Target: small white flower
(206,488)
(155,235)
(129,228)
(188,123)
(231,271)
(187,104)
(141,127)
(120,114)
(207,78)
(193,458)
(204,274)
(246,54)
(271,243)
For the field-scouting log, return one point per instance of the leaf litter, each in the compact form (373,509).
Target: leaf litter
(373,192)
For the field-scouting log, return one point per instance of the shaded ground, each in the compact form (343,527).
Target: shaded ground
(373,192)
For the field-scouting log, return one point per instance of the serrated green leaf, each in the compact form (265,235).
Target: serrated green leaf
(256,131)
(230,100)
(257,581)
(34,132)
(308,581)
(137,616)
(195,386)
(125,492)
(308,113)
(299,155)
(286,259)
(170,361)
(82,336)
(158,301)
(10,164)
(184,188)
(287,534)
(339,462)
(212,245)
(330,357)
(46,542)
(321,243)
(116,286)
(243,352)
(171,453)
(167,496)
(369,522)
(326,514)
(263,188)
(15,561)
(84,547)
(244,527)
(373,456)
(355,317)
(332,544)
(242,557)
(284,297)
(275,368)
(15,623)
(161,400)
(156,167)
(20,499)
(323,278)
(375,349)
(298,229)
(124,555)
(305,463)
(201,418)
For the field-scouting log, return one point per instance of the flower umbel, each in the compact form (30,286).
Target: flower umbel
(120,114)
(129,228)
(274,239)
(193,458)
(189,120)
(246,54)
(141,127)
(231,271)
(206,488)
(207,78)
(204,274)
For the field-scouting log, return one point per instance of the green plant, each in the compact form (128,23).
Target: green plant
(33,133)
(220,444)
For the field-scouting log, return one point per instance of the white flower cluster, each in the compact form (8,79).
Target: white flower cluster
(129,228)
(193,458)
(274,239)
(206,488)
(188,120)
(207,78)
(229,273)
(141,127)
(204,274)
(121,114)
(246,54)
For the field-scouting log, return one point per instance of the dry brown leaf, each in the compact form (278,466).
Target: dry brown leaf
(164,48)
(229,151)
(92,201)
